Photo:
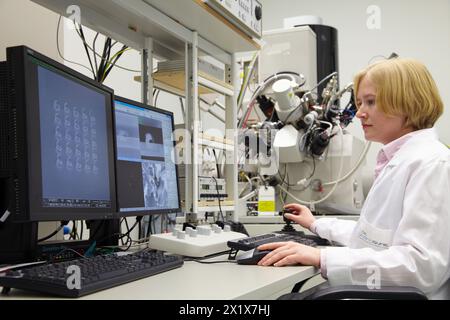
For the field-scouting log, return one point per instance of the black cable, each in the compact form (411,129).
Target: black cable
(63,223)
(153,224)
(121,236)
(149,227)
(81,229)
(95,56)
(81,34)
(102,62)
(113,63)
(212,262)
(73,232)
(107,57)
(139,229)
(99,226)
(120,227)
(217,163)
(218,198)
(208,257)
(128,228)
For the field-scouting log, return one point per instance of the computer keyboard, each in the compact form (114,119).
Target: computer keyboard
(97,273)
(296,236)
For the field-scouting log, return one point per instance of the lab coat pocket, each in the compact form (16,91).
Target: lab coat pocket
(367,235)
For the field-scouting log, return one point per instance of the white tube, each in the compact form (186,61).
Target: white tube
(358,163)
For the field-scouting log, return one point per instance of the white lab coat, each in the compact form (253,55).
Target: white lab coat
(403,235)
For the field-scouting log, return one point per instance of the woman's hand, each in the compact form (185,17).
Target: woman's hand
(289,253)
(300,214)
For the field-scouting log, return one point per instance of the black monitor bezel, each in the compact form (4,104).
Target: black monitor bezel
(149,212)
(26,180)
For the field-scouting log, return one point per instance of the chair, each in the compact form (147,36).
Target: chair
(326,292)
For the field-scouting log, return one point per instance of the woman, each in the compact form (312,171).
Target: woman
(402,237)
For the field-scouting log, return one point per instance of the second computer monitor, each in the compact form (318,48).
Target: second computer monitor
(147,178)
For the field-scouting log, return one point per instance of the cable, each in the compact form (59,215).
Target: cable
(59,50)
(218,199)
(358,163)
(121,236)
(182,109)
(64,250)
(93,46)
(81,229)
(217,163)
(149,226)
(246,80)
(116,57)
(323,80)
(212,262)
(81,34)
(101,57)
(63,223)
(155,100)
(261,88)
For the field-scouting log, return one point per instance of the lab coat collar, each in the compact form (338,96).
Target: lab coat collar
(411,145)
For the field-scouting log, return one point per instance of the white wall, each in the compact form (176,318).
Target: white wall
(23,22)
(412,28)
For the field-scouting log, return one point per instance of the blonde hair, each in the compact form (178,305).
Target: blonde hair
(404,87)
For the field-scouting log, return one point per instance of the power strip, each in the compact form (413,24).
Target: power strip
(200,242)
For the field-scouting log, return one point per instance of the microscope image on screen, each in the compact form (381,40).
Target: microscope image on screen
(151,139)
(155,187)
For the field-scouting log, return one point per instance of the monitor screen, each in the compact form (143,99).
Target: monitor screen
(65,130)
(147,178)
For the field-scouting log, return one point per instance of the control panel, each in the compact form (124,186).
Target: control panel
(199,242)
(245,14)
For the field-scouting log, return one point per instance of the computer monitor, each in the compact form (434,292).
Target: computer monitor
(147,177)
(59,148)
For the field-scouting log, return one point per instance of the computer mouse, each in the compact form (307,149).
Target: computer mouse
(251,256)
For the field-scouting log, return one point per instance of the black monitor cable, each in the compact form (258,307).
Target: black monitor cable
(63,223)
(122,235)
(128,229)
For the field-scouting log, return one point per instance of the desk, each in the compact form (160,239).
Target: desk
(197,281)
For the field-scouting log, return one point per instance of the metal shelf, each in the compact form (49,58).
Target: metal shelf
(174,83)
(170,23)
(174,30)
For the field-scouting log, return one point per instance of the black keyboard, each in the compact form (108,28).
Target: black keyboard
(296,236)
(97,273)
